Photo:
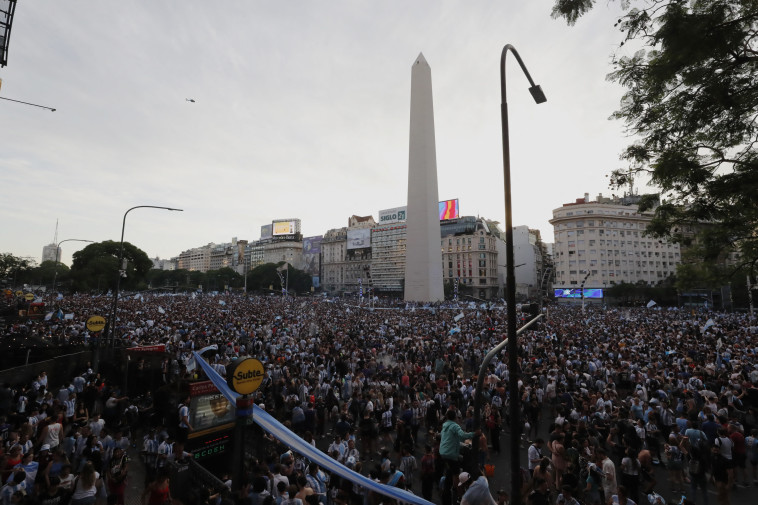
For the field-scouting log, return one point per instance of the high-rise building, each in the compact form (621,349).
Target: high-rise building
(51,253)
(604,241)
(423,264)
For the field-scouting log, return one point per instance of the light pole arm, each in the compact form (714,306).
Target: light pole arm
(483,370)
(57,255)
(112,328)
(123,226)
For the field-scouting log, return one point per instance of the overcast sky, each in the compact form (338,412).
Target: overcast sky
(301,110)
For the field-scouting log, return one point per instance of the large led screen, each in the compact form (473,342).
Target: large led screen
(449,210)
(577,293)
(284,228)
(267,231)
(208,409)
(359,239)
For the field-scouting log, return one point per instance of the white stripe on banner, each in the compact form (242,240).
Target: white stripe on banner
(297,444)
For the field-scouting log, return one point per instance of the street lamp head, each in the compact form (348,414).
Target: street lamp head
(177,210)
(538,94)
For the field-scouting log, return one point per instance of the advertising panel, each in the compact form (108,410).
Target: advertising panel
(209,410)
(389,216)
(267,231)
(284,228)
(359,239)
(577,293)
(311,254)
(449,210)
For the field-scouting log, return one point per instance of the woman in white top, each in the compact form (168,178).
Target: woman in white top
(86,486)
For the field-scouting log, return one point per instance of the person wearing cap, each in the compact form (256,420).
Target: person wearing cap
(475,492)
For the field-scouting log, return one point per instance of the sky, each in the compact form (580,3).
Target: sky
(302,110)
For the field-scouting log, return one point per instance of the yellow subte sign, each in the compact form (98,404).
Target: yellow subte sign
(246,376)
(95,323)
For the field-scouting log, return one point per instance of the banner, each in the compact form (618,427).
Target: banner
(288,438)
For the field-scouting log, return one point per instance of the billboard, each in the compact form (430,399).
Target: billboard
(389,216)
(267,231)
(577,293)
(311,254)
(358,239)
(449,210)
(209,410)
(284,228)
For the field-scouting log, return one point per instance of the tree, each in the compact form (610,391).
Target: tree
(12,266)
(691,105)
(263,276)
(96,266)
(45,273)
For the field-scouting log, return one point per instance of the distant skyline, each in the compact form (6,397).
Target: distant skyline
(301,109)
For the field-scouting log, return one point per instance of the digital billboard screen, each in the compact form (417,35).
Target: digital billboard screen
(284,228)
(577,293)
(359,239)
(449,210)
(266,231)
(209,410)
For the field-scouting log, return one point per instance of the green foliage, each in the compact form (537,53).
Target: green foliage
(690,104)
(96,267)
(263,276)
(640,294)
(571,10)
(12,266)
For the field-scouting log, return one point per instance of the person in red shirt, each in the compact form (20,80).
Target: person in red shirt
(739,454)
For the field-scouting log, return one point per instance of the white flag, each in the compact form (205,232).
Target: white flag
(651,303)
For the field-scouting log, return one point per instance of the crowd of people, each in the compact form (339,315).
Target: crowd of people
(614,401)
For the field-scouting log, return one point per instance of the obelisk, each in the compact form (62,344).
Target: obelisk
(423,262)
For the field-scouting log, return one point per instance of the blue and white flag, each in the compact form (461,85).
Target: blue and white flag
(192,363)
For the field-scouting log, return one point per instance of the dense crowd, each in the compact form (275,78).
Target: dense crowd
(610,397)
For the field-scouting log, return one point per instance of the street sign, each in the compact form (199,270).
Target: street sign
(246,376)
(95,323)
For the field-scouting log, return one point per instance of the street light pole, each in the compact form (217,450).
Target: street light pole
(510,280)
(122,269)
(57,255)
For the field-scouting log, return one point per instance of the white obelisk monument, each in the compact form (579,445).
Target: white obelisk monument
(423,263)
